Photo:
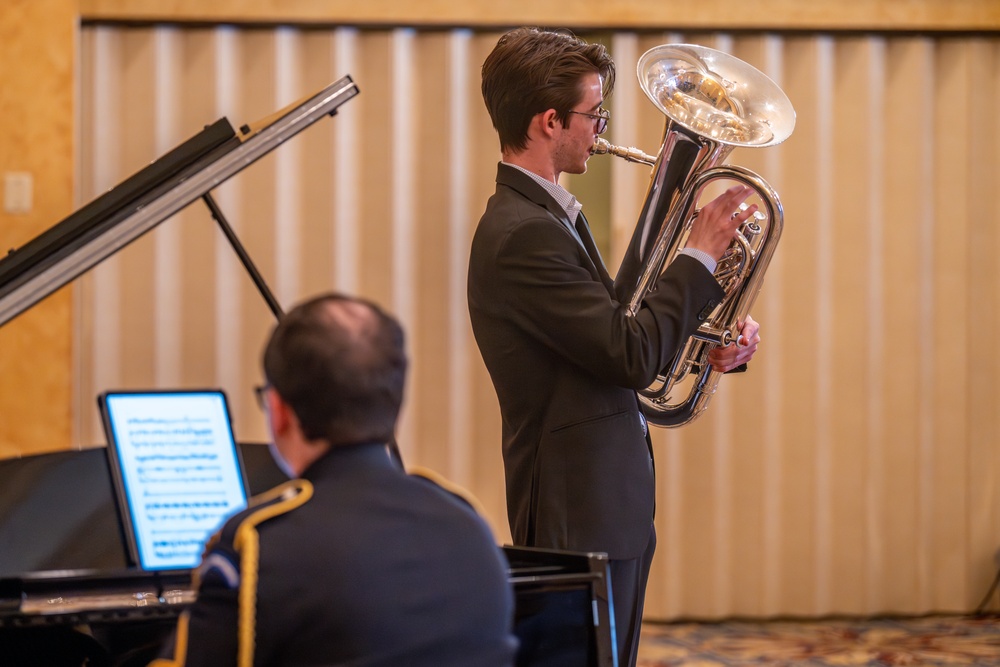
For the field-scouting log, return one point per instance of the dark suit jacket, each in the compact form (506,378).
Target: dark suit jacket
(376,568)
(566,361)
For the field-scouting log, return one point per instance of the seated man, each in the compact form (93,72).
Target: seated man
(353,561)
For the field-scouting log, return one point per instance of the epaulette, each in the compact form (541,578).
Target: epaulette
(226,534)
(447,485)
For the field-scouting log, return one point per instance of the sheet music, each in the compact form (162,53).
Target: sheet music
(179,470)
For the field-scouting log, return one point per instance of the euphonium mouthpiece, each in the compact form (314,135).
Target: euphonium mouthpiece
(604,147)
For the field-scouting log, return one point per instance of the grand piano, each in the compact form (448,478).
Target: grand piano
(68,596)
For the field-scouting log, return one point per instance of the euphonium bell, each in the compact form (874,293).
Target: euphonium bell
(713,102)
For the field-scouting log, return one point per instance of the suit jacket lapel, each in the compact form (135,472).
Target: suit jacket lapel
(583,227)
(521,182)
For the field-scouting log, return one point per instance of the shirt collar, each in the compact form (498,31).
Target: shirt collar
(563,197)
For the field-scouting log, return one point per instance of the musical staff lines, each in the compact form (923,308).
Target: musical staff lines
(180,469)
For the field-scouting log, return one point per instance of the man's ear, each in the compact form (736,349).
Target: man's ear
(545,123)
(281,415)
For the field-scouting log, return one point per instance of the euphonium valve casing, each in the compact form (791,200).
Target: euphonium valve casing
(713,102)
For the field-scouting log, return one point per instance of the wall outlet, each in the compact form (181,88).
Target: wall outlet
(18,193)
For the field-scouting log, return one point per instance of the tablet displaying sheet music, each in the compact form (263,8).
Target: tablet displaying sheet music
(176,470)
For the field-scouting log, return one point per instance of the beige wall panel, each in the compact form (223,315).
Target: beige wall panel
(907,157)
(137,267)
(949,462)
(464,113)
(195,270)
(402,131)
(984,312)
(627,183)
(37,99)
(428,107)
(373,165)
(97,291)
(847,223)
(800,254)
(316,258)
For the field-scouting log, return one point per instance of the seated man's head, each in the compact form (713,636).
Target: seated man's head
(338,364)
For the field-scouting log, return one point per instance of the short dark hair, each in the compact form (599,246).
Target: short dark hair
(531,71)
(339,363)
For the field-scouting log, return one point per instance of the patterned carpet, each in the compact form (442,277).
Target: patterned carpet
(936,641)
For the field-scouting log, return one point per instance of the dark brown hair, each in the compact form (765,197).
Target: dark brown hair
(340,365)
(531,71)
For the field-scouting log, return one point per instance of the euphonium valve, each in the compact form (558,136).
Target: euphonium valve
(713,102)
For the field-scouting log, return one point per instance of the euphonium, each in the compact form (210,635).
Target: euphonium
(713,102)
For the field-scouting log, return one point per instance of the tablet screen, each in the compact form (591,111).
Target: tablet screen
(176,470)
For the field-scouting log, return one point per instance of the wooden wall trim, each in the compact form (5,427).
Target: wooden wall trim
(37,107)
(833,15)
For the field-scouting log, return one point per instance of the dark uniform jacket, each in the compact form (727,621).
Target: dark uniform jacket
(566,361)
(359,564)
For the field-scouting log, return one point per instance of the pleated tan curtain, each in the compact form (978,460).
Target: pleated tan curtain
(853,470)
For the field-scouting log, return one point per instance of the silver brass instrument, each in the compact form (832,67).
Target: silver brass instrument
(713,102)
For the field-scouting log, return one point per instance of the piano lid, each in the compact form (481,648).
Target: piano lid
(136,205)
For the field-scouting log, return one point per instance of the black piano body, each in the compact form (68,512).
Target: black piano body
(67,593)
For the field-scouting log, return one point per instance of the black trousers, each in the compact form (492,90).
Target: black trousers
(628,593)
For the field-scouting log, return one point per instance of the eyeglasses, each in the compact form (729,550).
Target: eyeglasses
(600,118)
(260,392)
